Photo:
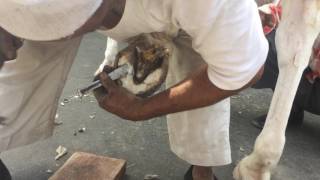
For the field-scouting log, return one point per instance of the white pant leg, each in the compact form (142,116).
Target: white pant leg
(200,136)
(30,88)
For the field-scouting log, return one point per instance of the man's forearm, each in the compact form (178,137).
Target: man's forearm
(195,92)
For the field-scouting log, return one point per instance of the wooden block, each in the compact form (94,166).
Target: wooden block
(85,166)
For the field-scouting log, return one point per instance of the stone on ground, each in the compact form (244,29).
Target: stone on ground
(84,166)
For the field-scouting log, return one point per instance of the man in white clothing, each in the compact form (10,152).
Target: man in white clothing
(220,49)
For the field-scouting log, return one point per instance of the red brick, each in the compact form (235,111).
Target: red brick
(85,166)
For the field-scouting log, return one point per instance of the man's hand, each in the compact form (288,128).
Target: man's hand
(9,45)
(117,100)
(195,91)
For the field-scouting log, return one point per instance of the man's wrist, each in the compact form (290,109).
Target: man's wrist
(143,111)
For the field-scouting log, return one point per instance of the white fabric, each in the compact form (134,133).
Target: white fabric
(226,33)
(30,90)
(200,136)
(228,40)
(228,36)
(45,20)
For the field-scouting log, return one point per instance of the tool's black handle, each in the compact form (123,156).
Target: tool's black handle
(94,85)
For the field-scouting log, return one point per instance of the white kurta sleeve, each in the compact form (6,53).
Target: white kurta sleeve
(228,36)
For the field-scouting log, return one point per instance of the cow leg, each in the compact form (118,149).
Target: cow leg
(110,55)
(295,36)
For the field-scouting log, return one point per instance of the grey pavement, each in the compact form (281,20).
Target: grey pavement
(145,145)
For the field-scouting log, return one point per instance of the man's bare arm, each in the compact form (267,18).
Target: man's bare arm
(194,92)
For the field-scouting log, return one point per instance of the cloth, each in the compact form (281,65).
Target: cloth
(200,136)
(30,89)
(45,20)
(271,16)
(227,34)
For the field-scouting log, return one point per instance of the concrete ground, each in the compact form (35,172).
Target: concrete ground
(145,145)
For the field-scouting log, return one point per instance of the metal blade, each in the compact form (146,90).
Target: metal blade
(114,75)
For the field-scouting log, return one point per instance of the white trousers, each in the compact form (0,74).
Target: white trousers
(200,136)
(30,87)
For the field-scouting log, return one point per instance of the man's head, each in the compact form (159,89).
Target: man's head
(46,20)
